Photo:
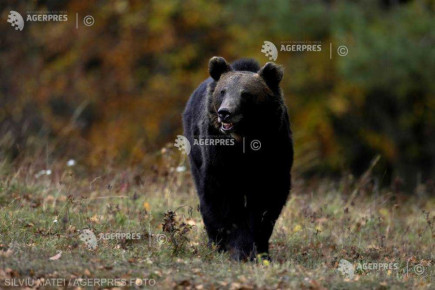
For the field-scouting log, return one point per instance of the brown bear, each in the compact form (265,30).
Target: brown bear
(244,184)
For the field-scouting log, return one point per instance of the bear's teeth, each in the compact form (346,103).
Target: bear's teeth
(227,126)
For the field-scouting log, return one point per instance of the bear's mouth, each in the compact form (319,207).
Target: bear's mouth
(226,127)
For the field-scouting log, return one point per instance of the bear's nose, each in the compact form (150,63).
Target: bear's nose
(224,114)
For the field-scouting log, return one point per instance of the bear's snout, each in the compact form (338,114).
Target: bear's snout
(226,118)
(224,115)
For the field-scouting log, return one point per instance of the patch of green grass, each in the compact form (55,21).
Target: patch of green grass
(321,224)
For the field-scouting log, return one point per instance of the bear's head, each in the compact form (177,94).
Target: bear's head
(242,101)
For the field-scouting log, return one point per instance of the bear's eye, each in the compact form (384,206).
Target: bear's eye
(222,92)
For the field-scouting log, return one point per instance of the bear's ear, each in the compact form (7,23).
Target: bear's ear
(272,74)
(217,66)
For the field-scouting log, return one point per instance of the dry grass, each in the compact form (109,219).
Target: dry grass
(323,222)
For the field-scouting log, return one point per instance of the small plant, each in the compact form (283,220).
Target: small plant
(178,232)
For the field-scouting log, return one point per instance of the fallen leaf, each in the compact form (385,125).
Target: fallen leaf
(95,219)
(191,222)
(57,256)
(297,228)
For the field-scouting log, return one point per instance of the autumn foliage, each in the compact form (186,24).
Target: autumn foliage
(114,92)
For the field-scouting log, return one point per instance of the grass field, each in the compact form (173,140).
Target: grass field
(42,216)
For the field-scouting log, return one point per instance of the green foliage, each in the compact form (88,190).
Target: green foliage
(391,63)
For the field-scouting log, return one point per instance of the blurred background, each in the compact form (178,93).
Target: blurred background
(113,92)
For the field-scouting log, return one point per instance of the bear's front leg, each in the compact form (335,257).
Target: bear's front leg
(241,245)
(216,230)
(263,229)
(264,215)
